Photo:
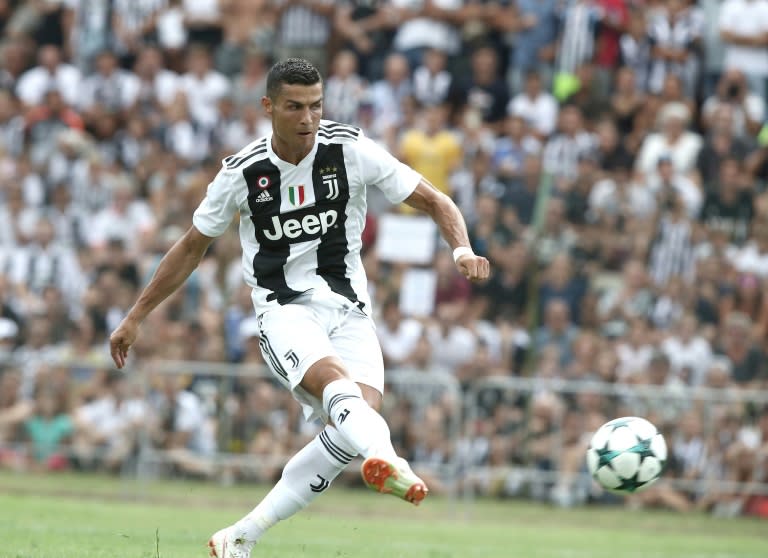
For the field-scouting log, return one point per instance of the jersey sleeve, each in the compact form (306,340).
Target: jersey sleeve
(218,208)
(379,168)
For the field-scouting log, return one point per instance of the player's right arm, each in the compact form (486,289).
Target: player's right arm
(180,261)
(211,219)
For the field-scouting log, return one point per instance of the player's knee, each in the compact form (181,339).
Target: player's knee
(372,396)
(342,395)
(322,373)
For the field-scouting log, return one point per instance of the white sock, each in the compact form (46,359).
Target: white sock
(304,478)
(361,426)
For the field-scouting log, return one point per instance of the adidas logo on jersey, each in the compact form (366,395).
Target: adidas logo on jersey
(263,197)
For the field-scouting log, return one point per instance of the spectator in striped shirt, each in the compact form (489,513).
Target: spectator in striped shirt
(676,42)
(303,30)
(134,24)
(344,89)
(562,151)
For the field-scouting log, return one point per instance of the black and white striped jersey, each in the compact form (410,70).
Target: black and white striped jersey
(301,225)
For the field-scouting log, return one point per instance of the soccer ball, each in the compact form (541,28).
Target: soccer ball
(626,455)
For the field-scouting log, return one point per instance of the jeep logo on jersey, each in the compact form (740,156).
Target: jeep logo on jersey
(310,226)
(296,195)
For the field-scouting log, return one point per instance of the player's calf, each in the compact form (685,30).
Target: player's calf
(367,432)
(363,428)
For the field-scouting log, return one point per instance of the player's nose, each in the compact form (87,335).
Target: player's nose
(306,117)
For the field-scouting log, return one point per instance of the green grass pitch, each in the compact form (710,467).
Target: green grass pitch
(71,516)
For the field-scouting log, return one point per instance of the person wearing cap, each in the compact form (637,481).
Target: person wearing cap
(672,138)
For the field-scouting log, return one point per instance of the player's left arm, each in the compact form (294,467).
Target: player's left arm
(444,212)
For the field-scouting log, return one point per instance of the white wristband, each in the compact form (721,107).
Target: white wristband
(462,251)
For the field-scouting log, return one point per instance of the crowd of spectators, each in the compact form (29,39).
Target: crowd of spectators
(609,156)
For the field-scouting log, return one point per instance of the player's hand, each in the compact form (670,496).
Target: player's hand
(121,340)
(474,268)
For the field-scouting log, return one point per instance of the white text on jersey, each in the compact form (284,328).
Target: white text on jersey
(309,225)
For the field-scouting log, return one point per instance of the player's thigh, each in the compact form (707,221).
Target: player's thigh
(358,347)
(292,339)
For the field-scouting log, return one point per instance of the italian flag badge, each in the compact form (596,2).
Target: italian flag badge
(296,195)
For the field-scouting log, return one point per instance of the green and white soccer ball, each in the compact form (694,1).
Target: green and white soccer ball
(627,455)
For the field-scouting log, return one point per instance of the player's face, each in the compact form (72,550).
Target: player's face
(295,114)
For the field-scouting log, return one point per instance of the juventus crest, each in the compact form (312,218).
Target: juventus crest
(330,181)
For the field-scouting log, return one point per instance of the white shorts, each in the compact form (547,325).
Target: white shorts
(295,336)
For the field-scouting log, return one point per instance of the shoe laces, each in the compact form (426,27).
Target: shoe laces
(240,548)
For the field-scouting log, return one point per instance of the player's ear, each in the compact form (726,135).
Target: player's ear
(266,102)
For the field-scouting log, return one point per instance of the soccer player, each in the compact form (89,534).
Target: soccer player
(301,194)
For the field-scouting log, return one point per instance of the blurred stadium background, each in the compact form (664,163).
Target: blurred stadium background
(610,158)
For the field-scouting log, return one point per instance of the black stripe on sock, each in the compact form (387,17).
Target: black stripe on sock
(342,451)
(323,437)
(339,397)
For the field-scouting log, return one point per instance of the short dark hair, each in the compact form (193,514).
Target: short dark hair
(292,71)
(533,73)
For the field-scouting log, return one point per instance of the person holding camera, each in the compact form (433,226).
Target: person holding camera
(748,108)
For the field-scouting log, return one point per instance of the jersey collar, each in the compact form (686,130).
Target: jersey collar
(285,165)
